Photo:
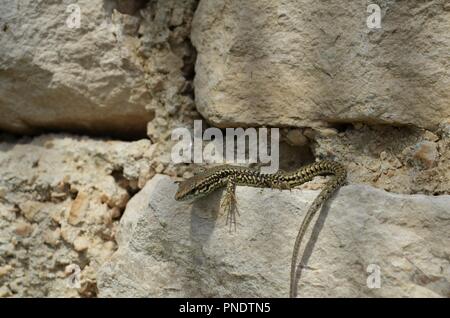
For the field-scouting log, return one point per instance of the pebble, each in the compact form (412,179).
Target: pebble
(426,153)
(23,228)
(296,137)
(5,270)
(81,244)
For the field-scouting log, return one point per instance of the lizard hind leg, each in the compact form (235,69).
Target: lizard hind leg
(229,203)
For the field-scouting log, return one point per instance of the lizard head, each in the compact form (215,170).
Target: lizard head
(187,189)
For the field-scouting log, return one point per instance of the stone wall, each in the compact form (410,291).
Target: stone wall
(302,63)
(106,76)
(86,179)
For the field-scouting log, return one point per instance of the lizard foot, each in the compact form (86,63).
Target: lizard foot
(229,206)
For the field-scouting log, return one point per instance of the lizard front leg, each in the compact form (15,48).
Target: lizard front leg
(229,203)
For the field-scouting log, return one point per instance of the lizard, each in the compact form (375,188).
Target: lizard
(229,176)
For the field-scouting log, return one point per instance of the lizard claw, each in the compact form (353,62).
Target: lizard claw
(229,206)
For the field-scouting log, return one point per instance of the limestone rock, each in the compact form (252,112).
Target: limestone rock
(41,234)
(400,160)
(101,75)
(303,63)
(56,75)
(177,249)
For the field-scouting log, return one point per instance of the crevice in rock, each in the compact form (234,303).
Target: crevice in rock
(123,182)
(294,157)
(341,127)
(129,7)
(189,60)
(188,68)
(399,159)
(132,134)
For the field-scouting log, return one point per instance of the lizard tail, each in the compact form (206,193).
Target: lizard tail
(339,177)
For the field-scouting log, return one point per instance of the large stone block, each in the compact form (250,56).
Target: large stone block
(180,249)
(311,63)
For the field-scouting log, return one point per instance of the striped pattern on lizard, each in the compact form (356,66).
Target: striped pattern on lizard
(229,176)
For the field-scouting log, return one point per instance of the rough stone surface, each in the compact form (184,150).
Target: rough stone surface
(312,69)
(60,201)
(401,160)
(106,77)
(170,59)
(302,63)
(169,248)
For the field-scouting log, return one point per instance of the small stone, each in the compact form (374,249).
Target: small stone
(188,174)
(374,166)
(79,205)
(63,260)
(161,121)
(327,132)
(58,195)
(81,244)
(310,133)
(159,168)
(5,292)
(30,209)
(52,237)
(5,270)
(426,153)
(296,137)
(23,228)
(428,135)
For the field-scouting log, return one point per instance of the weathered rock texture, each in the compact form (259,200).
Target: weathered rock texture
(170,59)
(402,160)
(179,249)
(303,63)
(128,70)
(60,201)
(107,76)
